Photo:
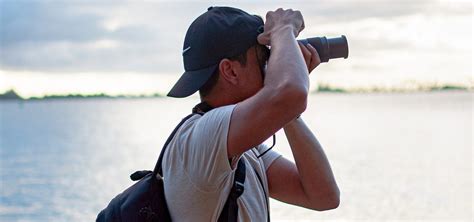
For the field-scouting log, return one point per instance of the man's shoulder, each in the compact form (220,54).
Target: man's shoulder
(217,116)
(220,111)
(211,125)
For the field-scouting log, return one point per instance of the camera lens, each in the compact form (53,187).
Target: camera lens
(329,48)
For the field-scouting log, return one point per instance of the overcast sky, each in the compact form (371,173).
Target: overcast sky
(136,45)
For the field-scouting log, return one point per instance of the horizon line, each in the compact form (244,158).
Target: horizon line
(322,88)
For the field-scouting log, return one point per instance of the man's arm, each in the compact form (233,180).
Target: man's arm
(310,183)
(285,89)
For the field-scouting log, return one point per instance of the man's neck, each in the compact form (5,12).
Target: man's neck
(220,100)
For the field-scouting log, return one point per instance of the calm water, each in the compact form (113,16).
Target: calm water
(395,156)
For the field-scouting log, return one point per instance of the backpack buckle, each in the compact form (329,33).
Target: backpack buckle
(238,188)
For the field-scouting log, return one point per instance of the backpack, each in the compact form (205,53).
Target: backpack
(145,201)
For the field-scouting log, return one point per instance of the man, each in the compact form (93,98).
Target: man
(254,93)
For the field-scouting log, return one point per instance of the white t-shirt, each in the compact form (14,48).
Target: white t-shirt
(198,176)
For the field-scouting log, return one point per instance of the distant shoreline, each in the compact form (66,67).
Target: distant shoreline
(12,95)
(433,88)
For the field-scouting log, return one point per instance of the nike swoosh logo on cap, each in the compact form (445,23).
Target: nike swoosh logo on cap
(186,49)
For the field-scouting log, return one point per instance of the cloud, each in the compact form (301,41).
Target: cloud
(60,36)
(33,21)
(113,36)
(343,11)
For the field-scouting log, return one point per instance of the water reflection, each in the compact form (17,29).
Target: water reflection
(63,160)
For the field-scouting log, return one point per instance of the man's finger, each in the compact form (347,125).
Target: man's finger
(306,54)
(315,60)
(305,51)
(263,39)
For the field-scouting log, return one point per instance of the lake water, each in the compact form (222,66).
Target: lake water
(395,156)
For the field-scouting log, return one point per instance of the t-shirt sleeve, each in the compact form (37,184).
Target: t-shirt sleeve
(269,156)
(206,149)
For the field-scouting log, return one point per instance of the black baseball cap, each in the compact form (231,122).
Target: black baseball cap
(221,32)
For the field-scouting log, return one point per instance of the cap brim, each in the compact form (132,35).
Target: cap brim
(191,81)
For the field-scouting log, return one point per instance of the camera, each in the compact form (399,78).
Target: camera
(329,48)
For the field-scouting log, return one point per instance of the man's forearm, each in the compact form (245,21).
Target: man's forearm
(286,63)
(313,167)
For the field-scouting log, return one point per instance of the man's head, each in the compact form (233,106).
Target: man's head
(238,77)
(220,54)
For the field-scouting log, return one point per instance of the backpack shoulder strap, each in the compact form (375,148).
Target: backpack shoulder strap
(263,188)
(200,109)
(158,169)
(231,209)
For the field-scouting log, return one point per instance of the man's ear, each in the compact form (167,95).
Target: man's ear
(227,71)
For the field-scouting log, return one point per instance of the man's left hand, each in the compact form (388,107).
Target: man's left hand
(310,55)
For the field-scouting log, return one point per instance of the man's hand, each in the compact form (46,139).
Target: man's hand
(310,55)
(279,20)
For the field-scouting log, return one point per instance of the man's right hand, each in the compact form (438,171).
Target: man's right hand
(280,20)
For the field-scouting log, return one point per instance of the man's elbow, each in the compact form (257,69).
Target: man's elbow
(293,98)
(329,202)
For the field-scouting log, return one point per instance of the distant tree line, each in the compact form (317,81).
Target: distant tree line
(12,95)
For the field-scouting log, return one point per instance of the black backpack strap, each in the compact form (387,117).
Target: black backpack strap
(158,169)
(231,209)
(263,188)
(200,109)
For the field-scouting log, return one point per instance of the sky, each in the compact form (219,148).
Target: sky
(134,47)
